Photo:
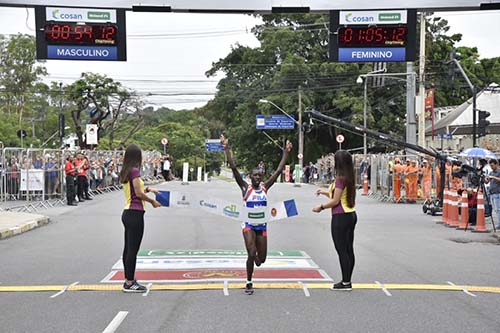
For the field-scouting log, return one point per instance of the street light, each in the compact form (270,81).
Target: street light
(52,136)
(301,133)
(363,79)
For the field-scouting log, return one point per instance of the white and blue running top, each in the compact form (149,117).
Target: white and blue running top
(255,198)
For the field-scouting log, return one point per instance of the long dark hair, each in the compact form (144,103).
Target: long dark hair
(132,158)
(344,170)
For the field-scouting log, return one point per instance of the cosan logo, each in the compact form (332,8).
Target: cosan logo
(358,19)
(57,15)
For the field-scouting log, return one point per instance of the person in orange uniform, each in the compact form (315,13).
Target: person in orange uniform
(406,180)
(447,179)
(438,179)
(426,180)
(412,173)
(456,182)
(397,171)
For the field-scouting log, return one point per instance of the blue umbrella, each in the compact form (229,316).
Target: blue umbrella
(478,152)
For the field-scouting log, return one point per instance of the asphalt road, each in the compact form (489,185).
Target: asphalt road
(393,244)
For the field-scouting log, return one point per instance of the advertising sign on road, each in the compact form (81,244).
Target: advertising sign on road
(275,122)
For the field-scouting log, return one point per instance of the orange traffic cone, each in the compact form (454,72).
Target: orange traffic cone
(453,222)
(480,223)
(365,184)
(444,219)
(465,212)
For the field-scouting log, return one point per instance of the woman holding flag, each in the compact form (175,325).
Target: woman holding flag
(254,195)
(133,214)
(342,195)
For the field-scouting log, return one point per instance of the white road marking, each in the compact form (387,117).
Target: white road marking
(64,289)
(226,289)
(113,325)
(463,289)
(149,288)
(383,288)
(304,287)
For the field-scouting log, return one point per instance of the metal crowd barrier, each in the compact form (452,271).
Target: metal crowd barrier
(32,179)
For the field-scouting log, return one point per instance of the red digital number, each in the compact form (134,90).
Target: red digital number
(347,35)
(110,33)
(379,35)
(55,32)
(79,32)
(65,32)
(401,32)
(370,33)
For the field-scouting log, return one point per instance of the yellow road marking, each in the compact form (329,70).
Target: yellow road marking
(257,285)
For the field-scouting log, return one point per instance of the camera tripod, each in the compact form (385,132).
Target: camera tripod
(487,203)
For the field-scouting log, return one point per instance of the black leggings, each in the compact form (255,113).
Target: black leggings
(343,237)
(133,221)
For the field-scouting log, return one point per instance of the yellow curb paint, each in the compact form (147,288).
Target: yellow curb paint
(257,285)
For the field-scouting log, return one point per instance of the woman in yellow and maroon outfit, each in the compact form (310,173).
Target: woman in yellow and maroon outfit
(133,214)
(342,194)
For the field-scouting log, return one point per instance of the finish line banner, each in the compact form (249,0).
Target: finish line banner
(257,215)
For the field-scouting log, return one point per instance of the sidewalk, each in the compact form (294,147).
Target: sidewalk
(14,223)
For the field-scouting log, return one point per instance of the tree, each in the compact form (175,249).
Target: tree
(19,73)
(102,101)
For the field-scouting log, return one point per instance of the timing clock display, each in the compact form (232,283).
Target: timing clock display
(80,34)
(395,36)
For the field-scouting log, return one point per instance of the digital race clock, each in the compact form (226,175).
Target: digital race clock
(80,34)
(373,36)
(73,33)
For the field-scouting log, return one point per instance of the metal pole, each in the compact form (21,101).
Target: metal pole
(364,116)
(474,115)
(421,90)
(61,126)
(411,125)
(301,133)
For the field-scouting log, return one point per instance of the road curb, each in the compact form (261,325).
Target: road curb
(22,227)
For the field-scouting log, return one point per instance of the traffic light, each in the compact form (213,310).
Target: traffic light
(482,123)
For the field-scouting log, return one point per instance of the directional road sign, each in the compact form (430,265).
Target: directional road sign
(213,145)
(275,122)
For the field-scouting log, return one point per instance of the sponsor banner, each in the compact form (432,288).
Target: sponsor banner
(217,275)
(372,17)
(218,253)
(372,54)
(64,14)
(215,263)
(32,180)
(82,52)
(220,207)
(254,215)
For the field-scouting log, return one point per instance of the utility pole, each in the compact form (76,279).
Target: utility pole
(61,115)
(301,134)
(421,89)
(411,126)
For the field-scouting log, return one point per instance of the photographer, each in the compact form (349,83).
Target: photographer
(494,180)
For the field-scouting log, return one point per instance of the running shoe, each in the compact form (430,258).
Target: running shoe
(135,287)
(249,289)
(342,286)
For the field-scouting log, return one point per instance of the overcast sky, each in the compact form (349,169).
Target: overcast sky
(173,62)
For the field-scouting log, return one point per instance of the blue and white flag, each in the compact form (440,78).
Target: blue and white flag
(282,210)
(173,199)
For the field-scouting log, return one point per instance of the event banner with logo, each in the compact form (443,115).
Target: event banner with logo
(257,215)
